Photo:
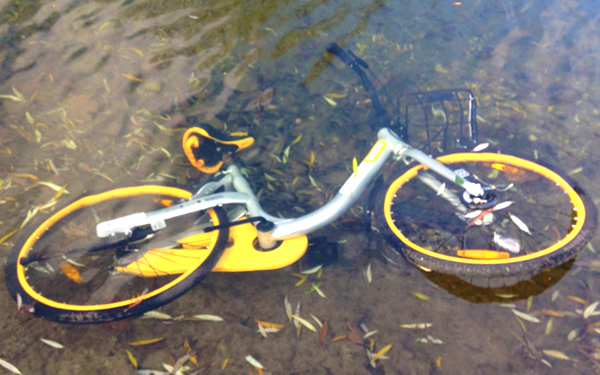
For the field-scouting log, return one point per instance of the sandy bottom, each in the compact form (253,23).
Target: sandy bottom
(465,337)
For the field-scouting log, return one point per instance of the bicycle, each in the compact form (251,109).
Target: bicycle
(466,213)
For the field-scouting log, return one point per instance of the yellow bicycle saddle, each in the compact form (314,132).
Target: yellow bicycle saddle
(206,146)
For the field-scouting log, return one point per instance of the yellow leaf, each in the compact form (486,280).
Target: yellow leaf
(7,236)
(27,175)
(224,364)
(576,299)
(166,152)
(381,353)
(440,69)
(298,138)
(11,97)
(131,358)
(335,96)
(304,322)
(29,118)
(132,77)
(316,288)
(146,342)
(18,94)
(553,313)
(269,177)
(421,296)
(302,279)
(269,325)
(330,101)
(139,52)
(549,326)
(53,186)
(70,144)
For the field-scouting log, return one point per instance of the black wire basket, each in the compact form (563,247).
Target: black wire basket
(439,121)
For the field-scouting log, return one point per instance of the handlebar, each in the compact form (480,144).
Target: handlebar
(383,118)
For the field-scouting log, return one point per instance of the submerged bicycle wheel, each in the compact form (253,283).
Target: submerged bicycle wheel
(534,218)
(62,271)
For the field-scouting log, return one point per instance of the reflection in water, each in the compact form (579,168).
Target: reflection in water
(17,23)
(484,290)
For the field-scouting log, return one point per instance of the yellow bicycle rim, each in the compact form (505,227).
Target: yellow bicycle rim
(89,201)
(508,160)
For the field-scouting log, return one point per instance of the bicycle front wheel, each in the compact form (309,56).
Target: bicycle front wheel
(62,271)
(538,219)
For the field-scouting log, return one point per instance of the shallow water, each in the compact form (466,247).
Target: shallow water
(100,89)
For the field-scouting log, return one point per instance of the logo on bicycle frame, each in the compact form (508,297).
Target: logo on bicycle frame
(352,183)
(373,155)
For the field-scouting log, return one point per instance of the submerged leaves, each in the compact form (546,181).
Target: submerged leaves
(17,97)
(51,343)
(254,362)
(331,102)
(131,358)
(421,296)
(312,270)
(288,307)
(154,314)
(9,366)
(146,342)
(556,354)
(208,317)
(416,325)
(481,147)
(304,322)
(525,316)
(519,223)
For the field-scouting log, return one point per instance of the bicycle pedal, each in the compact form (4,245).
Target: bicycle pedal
(205,146)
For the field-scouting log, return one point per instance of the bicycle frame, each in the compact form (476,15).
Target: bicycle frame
(237,191)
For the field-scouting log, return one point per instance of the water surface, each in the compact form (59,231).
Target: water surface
(101,90)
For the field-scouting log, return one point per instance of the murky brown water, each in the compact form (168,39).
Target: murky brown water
(93,96)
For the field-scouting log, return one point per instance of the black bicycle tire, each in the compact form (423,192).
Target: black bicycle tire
(498,269)
(65,315)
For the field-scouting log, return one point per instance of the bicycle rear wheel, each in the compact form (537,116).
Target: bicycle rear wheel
(63,272)
(536,220)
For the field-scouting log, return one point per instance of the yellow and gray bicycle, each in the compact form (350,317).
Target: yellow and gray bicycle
(122,252)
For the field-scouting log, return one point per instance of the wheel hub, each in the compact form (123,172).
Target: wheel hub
(483,202)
